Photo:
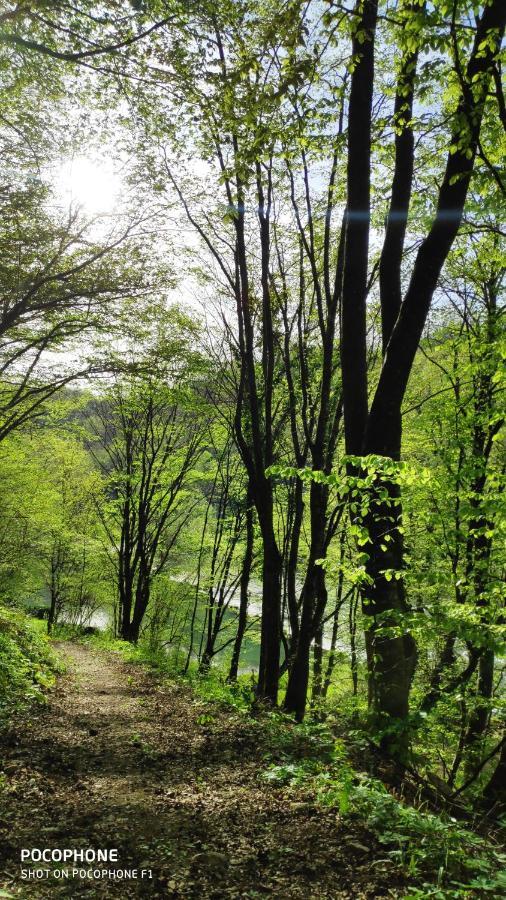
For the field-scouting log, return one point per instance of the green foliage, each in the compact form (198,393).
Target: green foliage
(249,98)
(27,663)
(214,688)
(52,545)
(438,853)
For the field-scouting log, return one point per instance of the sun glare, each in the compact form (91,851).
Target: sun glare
(92,184)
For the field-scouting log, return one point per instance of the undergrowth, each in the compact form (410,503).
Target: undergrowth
(442,858)
(27,662)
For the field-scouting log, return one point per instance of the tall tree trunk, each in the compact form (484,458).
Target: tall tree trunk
(314,596)
(391,651)
(292,563)
(316,691)
(52,615)
(243,596)
(134,628)
(358,215)
(335,619)
(353,643)
(255,442)
(402,185)
(270,641)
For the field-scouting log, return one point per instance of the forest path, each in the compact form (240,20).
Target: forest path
(118,759)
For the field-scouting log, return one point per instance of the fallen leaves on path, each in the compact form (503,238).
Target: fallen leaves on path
(119,759)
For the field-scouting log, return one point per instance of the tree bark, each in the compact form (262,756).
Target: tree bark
(314,597)
(391,650)
(358,215)
(270,640)
(243,596)
(316,691)
(495,790)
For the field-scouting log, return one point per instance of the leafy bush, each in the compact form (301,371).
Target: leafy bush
(214,687)
(27,663)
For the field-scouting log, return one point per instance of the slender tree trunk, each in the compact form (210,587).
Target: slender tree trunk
(243,597)
(314,596)
(353,644)
(208,631)
(298,679)
(332,652)
(52,615)
(199,575)
(270,645)
(316,691)
(256,443)
(126,599)
(480,716)
(459,752)
(55,603)
(402,185)
(335,619)
(446,659)
(292,563)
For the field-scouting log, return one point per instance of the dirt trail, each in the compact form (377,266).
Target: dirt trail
(118,760)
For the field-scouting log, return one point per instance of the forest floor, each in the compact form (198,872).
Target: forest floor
(121,759)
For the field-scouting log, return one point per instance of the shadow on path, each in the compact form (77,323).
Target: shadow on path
(116,761)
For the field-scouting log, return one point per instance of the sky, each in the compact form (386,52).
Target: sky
(93,184)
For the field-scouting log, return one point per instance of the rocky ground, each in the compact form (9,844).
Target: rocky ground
(119,759)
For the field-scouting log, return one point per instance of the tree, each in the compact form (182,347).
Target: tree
(50,544)
(378,429)
(147,441)
(227,570)
(71,544)
(65,280)
(228,131)
(59,284)
(464,414)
